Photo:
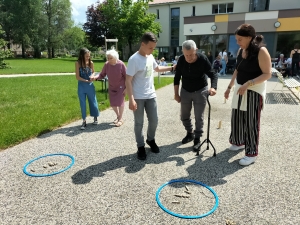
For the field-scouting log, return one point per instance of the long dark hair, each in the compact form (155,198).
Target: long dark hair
(246,30)
(296,46)
(81,59)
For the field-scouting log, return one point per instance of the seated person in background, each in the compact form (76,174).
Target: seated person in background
(217,64)
(174,62)
(163,63)
(288,62)
(280,62)
(285,71)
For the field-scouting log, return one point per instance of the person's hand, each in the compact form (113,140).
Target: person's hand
(132,105)
(174,67)
(212,91)
(177,98)
(226,94)
(243,88)
(92,78)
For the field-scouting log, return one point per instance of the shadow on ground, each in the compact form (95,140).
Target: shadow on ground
(75,130)
(211,170)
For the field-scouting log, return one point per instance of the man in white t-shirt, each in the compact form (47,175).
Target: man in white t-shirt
(141,92)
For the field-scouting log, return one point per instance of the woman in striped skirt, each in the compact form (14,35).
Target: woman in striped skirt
(249,78)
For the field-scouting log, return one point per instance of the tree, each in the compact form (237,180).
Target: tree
(74,39)
(4,53)
(58,16)
(97,25)
(131,20)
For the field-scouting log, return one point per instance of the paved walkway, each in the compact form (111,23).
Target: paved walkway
(108,185)
(32,75)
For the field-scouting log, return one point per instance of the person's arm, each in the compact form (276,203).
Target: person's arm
(177,79)
(102,74)
(211,73)
(264,61)
(78,77)
(231,83)
(164,68)
(291,55)
(132,103)
(123,73)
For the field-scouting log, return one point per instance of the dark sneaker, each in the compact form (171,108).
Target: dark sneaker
(83,125)
(188,138)
(95,121)
(153,146)
(197,144)
(141,153)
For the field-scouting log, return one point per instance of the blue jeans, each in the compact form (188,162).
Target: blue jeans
(223,71)
(150,106)
(87,90)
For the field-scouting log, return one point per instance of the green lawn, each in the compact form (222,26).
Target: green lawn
(28,66)
(30,106)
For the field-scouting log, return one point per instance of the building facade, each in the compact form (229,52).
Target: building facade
(212,23)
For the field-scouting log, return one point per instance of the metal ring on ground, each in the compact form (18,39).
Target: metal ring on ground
(187,216)
(48,174)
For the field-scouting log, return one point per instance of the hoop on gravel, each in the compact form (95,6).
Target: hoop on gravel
(48,174)
(187,216)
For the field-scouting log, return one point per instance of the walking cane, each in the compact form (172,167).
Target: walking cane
(208,127)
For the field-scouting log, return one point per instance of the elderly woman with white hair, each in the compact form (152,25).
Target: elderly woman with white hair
(115,70)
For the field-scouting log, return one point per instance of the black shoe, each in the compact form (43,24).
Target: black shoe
(197,144)
(141,153)
(83,125)
(153,146)
(189,137)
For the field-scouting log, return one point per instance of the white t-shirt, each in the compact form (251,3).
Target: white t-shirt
(141,69)
(222,55)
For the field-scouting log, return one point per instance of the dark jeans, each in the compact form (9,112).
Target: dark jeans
(198,100)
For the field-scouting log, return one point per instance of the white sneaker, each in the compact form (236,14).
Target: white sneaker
(236,148)
(247,160)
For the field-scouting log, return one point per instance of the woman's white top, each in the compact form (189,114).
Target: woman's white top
(222,55)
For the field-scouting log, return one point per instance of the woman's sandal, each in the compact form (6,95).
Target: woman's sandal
(120,123)
(116,121)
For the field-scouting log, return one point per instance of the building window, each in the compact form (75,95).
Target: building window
(175,17)
(157,14)
(194,9)
(222,8)
(259,5)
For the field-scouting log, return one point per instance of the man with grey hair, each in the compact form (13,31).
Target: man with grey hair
(192,68)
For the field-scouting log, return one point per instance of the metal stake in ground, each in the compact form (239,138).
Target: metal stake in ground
(208,127)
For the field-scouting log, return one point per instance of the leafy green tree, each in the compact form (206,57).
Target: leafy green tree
(131,20)
(58,16)
(4,53)
(74,39)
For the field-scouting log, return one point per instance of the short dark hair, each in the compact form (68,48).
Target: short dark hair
(296,46)
(148,36)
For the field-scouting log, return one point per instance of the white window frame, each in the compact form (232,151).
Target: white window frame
(226,7)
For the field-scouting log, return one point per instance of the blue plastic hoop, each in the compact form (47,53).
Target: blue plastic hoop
(187,216)
(48,174)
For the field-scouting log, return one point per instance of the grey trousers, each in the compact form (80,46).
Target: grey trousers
(150,106)
(198,100)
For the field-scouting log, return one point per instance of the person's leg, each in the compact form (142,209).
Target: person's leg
(185,108)
(116,110)
(82,101)
(121,111)
(222,72)
(139,122)
(93,104)
(237,135)
(297,67)
(254,105)
(151,111)
(293,67)
(199,101)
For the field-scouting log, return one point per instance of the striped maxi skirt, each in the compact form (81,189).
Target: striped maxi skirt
(245,125)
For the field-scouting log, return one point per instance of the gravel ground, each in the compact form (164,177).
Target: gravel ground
(108,185)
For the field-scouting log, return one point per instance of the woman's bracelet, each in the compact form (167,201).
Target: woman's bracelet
(251,82)
(229,87)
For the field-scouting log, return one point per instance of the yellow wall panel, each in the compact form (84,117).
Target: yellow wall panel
(221,18)
(289,24)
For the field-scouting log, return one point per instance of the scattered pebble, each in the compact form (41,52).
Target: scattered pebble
(230,222)
(45,166)
(177,195)
(32,170)
(188,192)
(186,188)
(176,202)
